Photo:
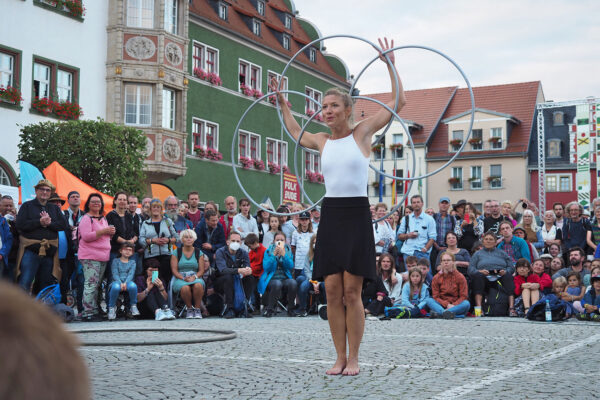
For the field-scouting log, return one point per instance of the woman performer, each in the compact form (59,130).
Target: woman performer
(345,250)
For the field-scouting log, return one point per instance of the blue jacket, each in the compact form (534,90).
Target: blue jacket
(182,223)
(147,231)
(406,300)
(121,272)
(228,264)
(216,239)
(270,263)
(590,298)
(7,239)
(520,248)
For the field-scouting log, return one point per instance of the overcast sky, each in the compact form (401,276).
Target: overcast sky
(494,42)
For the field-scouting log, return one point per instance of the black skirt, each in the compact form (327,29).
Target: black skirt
(345,240)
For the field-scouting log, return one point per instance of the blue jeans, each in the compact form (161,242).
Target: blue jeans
(31,263)
(460,310)
(115,289)
(304,287)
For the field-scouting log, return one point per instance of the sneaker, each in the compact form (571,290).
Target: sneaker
(582,317)
(434,315)
(372,317)
(134,311)
(229,313)
(292,313)
(159,315)
(512,313)
(303,313)
(268,313)
(190,313)
(197,313)
(595,317)
(448,315)
(112,313)
(322,310)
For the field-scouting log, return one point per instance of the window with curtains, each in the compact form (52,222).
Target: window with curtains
(249,145)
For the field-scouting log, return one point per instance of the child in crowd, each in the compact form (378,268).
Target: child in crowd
(256,255)
(591,302)
(300,244)
(123,270)
(414,294)
(375,298)
(274,227)
(559,285)
(574,292)
(539,276)
(526,293)
(424,265)
(392,280)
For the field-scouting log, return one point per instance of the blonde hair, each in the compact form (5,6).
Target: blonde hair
(346,99)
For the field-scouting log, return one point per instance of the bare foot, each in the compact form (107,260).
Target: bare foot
(352,368)
(337,368)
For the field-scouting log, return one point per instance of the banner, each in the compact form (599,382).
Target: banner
(291,190)
(583,177)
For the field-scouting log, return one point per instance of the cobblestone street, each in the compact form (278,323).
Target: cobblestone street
(285,358)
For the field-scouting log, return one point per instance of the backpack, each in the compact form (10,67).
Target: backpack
(239,298)
(537,312)
(496,303)
(196,253)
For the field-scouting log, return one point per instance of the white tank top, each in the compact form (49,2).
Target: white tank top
(345,168)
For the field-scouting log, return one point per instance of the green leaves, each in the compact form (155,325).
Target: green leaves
(104,155)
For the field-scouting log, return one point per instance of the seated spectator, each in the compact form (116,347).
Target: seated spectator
(468,230)
(591,302)
(157,235)
(556,265)
(375,298)
(414,295)
(559,285)
(540,276)
(123,270)
(576,257)
(274,227)
(551,234)
(304,288)
(152,296)
(533,232)
(232,260)
(461,256)
(520,233)
(512,245)
(277,276)
(423,265)
(526,293)
(211,236)
(449,291)
(574,229)
(180,223)
(554,250)
(256,256)
(546,259)
(187,266)
(595,270)
(489,265)
(478,245)
(574,292)
(392,280)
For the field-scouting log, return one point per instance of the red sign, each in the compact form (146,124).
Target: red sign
(291,190)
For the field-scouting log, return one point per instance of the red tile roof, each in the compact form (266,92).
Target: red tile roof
(516,99)
(424,107)
(240,9)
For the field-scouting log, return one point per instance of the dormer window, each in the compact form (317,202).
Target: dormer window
(223,11)
(312,54)
(260,7)
(558,118)
(553,148)
(286,42)
(288,21)
(256,27)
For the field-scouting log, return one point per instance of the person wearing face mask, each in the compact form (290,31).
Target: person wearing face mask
(231,260)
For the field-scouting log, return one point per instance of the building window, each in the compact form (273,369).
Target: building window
(554,146)
(313,161)
(476,139)
(64,85)
(4,178)
(140,13)
(249,145)
(457,140)
(41,80)
(138,104)
(277,152)
(168,109)
(475,178)
(558,183)
(456,178)
(288,21)
(495,178)
(206,134)
(54,80)
(256,27)
(260,7)
(7,69)
(171,16)
(379,150)
(250,75)
(558,118)
(286,42)
(284,82)
(312,54)
(205,58)
(496,138)
(314,104)
(398,144)
(223,11)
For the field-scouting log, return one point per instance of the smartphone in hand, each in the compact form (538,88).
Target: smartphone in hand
(467,219)
(154,275)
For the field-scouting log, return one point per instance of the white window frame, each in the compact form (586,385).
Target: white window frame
(476,184)
(287,20)
(7,69)
(246,137)
(457,172)
(135,13)
(256,28)
(204,50)
(555,114)
(4,178)
(378,155)
(171,13)
(280,150)
(496,132)
(312,158)
(200,129)
(223,11)
(457,134)
(477,147)
(315,95)
(312,55)
(398,138)
(169,108)
(498,180)
(558,142)
(43,80)
(286,41)
(64,87)
(138,104)
(557,188)
(284,83)
(260,7)
(250,67)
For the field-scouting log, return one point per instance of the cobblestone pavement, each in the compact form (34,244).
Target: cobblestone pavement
(285,358)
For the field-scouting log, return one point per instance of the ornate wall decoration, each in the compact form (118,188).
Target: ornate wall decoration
(173,54)
(171,150)
(140,47)
(149,147)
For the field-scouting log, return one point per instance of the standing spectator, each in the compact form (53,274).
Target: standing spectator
(187,266)
(459,209)
(157,235)
(145,214)
(444,223)
(94,252)
(469,229)
(300,244)
(8,211)
(507,211)
(180,223)
(487,211)
(461,256)
(194,213)
(39,223)
(493,221)
(6,240)
(574,230)
(382,231)
(559,210)
(315,214)
(262,221)
(256,256)
(244,223)
(226,219)
(551,234)
(210,235)
(593,235)
(449,291)
(136,222)
(420,234)
(73,214)
(532,230)
(576,258)
(512,245)
(273,229)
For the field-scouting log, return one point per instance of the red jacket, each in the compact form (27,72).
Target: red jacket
(545,282)
(449,288)
(256,260)
(227,223)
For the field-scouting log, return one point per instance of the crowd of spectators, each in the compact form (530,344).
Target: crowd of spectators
(183,258)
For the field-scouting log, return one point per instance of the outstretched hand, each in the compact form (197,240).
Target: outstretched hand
(386,46)
(274,87)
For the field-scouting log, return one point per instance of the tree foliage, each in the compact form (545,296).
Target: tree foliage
(104,155)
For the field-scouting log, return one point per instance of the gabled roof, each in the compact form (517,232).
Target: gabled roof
(482,110)
(515,99)
(240,15)
(424,108)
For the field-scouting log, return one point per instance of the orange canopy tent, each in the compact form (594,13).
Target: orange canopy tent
(161,191)
(66,182)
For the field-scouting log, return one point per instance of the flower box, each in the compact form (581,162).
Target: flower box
(209,77)
(67,110)
(75,7)
(273,101)
(475,141)
(396,146)
(473,179)
(246,162)
(492,178)
(495,139)
(11,95)
(375,184)
(456,142)
(314,177)
(246,90)
(214,154)
(453,180)
(310,113)
(200,152)
(259,165)
(273,168)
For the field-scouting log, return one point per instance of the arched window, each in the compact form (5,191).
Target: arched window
(4,177)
